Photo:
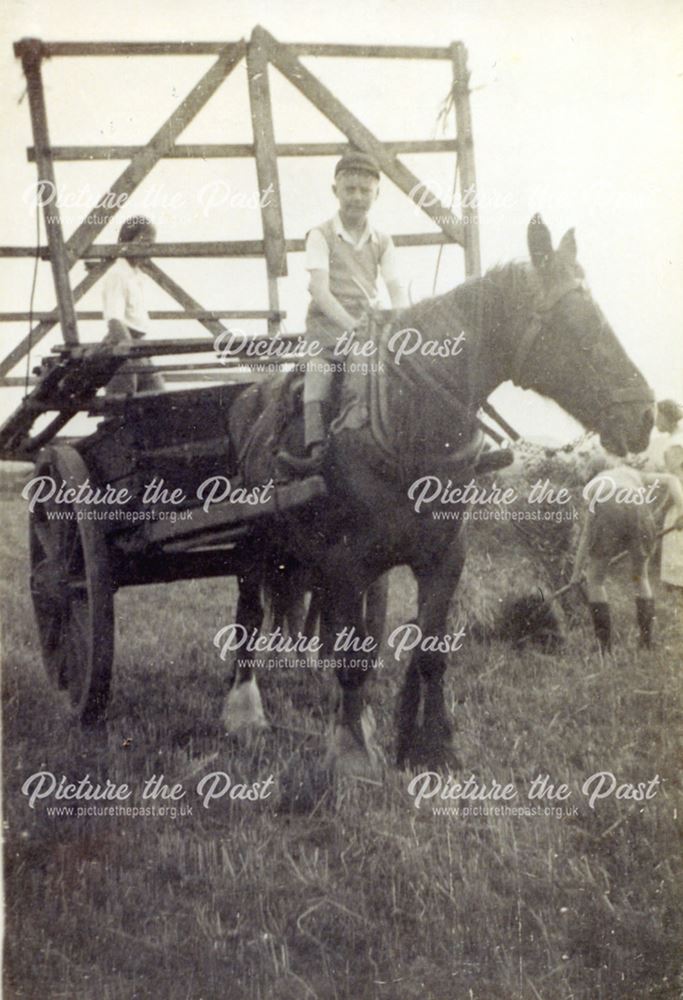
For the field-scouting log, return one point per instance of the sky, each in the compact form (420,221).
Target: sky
(576,112)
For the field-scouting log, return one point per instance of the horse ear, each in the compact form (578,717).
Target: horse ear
(539,242)
(567,247)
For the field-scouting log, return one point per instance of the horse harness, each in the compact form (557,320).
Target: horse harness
(536,325)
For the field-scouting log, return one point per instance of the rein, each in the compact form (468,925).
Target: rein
(462,459)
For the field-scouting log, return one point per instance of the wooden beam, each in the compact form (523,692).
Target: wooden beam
(132,176)
(266,159)
(229,248)
(208,151)
(368,51)
(501,421)
(165,314)
(217,375)
(31,58)
(44,327)
(147,348)
(163,139)
(178,293)
(128,48)
(468,177)
(325,101)
(215,48)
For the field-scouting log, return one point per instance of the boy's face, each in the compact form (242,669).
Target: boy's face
(356,193)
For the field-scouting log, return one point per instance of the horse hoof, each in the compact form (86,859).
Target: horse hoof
(428,753)
(243,709)
(355,754)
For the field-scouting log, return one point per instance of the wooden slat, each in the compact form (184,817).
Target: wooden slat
(230,374)
(136,171)
(325,101)
(128,48)
(369,51)
(178,293)
(228,248)
(266,160)
(208,151)
(501,421)
(468,177)
(222,515)
(163,139)
(214,48)
(31,57)
(165,314)
(44,327)
(148,348)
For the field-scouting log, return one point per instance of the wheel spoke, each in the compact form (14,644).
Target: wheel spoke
(69,543)
(45,582)
(77,646)
(47,538)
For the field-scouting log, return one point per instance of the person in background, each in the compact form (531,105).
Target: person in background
(612,526)
(666,455)
(344,257)
(123,306)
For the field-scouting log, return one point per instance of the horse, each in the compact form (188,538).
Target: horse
(533,322)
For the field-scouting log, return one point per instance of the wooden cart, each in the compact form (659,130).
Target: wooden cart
(126,505)
(79,561)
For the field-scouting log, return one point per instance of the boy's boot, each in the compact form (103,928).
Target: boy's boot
(645,609)
(315,434)
(602,623)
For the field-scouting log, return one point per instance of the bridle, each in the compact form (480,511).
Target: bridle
(536,325)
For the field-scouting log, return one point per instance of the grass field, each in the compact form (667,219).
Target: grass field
(340,891)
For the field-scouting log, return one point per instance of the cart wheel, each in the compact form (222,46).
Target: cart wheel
(73,597)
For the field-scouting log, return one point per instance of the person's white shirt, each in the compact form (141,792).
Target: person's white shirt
(123,296)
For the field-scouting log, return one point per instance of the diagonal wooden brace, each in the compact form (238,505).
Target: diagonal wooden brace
(325,101)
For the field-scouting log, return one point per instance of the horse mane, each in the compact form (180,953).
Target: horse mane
(514,283)
(517,282)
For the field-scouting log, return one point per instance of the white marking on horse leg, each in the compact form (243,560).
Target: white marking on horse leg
(243,708)
(346,755)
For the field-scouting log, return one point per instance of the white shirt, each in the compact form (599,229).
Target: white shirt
(318,252)
(123,296)
(662,455)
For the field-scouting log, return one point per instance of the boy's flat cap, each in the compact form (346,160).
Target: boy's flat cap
(358,161)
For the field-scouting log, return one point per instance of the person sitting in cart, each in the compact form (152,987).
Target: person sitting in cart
(344,257)
(123,306)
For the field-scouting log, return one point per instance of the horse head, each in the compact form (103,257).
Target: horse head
(569,352)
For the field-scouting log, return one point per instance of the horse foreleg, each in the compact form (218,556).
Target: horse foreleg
(243,708)
(352,748)
(424,727)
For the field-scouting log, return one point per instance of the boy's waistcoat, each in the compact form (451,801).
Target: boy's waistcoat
(348,262)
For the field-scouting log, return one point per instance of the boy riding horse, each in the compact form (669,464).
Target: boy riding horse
(344,257)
